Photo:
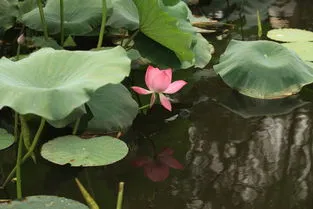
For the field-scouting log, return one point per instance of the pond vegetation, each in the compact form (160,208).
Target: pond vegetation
(212,99)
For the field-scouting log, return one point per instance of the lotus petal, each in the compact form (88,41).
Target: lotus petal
(263,69)
(52,83)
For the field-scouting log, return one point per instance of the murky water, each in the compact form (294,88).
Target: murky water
(238,152)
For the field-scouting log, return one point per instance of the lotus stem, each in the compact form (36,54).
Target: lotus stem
(62,21)
(76,125)
(15,125)
(120,196)
(35,141)
(43,20)
(260,30)
(103,22)
(144,107)
(18,51)
(90,201)
(18,168)
(28,154)
(130,39)
(26,135)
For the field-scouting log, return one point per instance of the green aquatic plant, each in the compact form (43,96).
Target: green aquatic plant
(56,85)
(76,151)
(263,69)
(43,202)
(6,139)
(290,35)
(80,17)
(303,49)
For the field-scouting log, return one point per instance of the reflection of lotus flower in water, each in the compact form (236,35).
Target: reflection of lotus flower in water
(158,169)
(160,81)
(263,69)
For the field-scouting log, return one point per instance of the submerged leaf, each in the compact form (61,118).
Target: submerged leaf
(263,69)
(84,152)
(52,83)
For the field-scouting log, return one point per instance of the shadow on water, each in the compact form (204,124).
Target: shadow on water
(238,152)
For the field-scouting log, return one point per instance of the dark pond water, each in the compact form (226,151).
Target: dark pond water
(238,152)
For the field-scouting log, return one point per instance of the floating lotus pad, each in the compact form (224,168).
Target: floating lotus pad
(6,139)
(303,49)
(290,35)
(76,151)
(43,202)
(263,69)
(52,83)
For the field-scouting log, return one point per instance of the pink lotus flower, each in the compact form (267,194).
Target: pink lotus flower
(158,169)
(159,82)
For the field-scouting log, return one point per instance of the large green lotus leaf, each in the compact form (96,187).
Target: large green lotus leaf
(290,35)
(163,57)
(76,151)
(72,117)
(124,15)
(263,69)
(170,2)
(6,139)
(158,25)
(303,49)
(156,53)
(41,42)
(113,108)
(26,6)
(203,51)
(80,17)
(43,202)
(310,64)
(8,13)
(52,83)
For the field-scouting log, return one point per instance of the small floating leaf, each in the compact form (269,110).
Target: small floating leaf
(43,202)
(290,35)
(76,151)
(6,139)
(303,49)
